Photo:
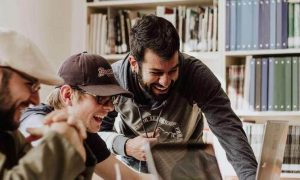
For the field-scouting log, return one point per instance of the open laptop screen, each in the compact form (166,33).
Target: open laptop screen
(272,152)
(183,161)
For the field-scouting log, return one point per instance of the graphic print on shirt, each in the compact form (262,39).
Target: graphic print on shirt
(168,130)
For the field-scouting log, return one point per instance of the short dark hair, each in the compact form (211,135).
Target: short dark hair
(154,33)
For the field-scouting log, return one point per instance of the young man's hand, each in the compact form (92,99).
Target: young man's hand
(136,147)
(68,126)
(67,116)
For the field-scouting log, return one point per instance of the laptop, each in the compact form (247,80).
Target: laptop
(272,152)
(180,161)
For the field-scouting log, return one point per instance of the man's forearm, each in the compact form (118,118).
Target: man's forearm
(115,142)
(54,158)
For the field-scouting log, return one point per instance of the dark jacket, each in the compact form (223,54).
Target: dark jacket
(54,158)
(196,91)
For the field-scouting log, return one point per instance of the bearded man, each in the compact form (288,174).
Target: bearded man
(172,91)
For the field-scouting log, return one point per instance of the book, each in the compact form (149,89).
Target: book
(252,84)
(233,25)
(272,24)
(246,25)
(288,83)
(258,83)
(291,26)
(271,84)
(239,35)
(255,24)
(295,84)
(228,25)
(264,84)
(284,27)
(264,24)
(279,24)
(297,25)
(247,81)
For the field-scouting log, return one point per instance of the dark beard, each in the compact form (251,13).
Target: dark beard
(7,122)
(7,108)
(149,91)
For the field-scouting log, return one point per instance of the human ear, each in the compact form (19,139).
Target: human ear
(66,94)
(133,64)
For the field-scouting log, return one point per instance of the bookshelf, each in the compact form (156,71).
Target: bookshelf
(262,82)
(218,61)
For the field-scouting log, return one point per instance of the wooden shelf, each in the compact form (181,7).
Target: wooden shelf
(205,55)
(262,52)
(261,117)
(135,4)
(200,55)
(290,176)
(114,57)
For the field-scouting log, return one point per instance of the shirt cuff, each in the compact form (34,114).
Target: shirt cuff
(119,145)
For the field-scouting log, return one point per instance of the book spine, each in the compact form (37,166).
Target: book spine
(258,84)
(271,84)
(233,25)
(264,85)
(291,26)
(228,22)
(295,81)
(252,85)
(288,83)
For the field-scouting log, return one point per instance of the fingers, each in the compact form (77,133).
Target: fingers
(37,131)
(31,138)
(66,115)
(143,157)
(56,116)
(151,134)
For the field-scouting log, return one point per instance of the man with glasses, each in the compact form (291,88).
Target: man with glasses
(90,91)
(22,69)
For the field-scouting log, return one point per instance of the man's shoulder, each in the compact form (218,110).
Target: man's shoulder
(41,109)
(116,66)
(188,60)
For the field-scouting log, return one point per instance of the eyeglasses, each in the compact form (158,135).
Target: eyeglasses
(32,83)
(102,100)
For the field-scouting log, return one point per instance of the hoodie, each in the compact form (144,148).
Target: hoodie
(197,91)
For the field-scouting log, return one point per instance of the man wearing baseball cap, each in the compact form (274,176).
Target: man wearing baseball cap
(89,91)
(61,154)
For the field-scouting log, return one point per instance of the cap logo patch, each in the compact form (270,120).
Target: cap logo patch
(105,72)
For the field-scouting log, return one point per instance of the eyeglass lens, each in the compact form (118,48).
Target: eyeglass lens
(106,99)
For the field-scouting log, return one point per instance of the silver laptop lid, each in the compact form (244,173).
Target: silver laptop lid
(272,152)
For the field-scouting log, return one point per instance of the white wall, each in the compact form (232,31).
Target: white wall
(56,26)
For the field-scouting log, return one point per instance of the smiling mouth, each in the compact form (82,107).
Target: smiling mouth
(161,89)
(98,119)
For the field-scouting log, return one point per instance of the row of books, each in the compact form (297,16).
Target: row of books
(235,85)
(291,159)
(97,34)
(196,26)
(110,35)
(262,24)
(265,84)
